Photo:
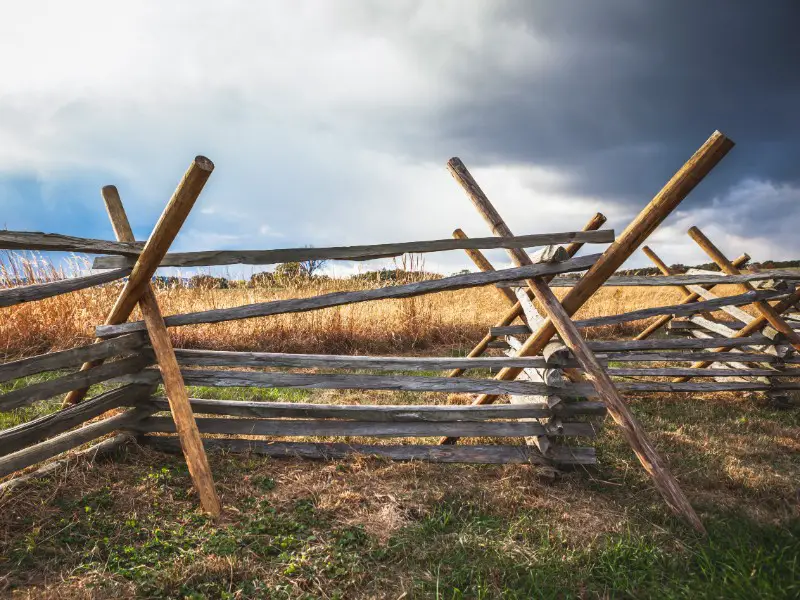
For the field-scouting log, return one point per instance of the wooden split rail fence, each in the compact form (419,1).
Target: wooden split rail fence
(559,384)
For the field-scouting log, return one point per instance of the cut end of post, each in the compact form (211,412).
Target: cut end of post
(107,190)
(201,162)
(459,234)
(599,218)
(455,163)
(695,233)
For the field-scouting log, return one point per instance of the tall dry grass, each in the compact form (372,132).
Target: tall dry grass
(448,322)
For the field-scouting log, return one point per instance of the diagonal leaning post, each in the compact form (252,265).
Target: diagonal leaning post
(175,389)
(689,296)
(596,374)
(138,290)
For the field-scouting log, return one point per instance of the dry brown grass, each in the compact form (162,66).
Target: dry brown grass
(455,320)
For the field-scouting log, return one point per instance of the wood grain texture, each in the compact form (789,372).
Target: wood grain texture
(336,428)
(39,291)
(427,453)
(359,253)
(93,452)
(385,412)
(67,441)
(25,434)
(36,240)
(409,290)
(675,280)
(221,358)
(79,380)
(74,357)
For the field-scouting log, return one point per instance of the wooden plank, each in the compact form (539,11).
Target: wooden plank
(365,252)
(444,454)
(93,452)
(515,311)
(36,240)
(678,371)
(339,381)
(736,313)
(277,307)
(196,459)
(79,380)
(387,412)
(331,427)
(25,434)
(67,441)
(673,280)
(74,357)
(716,147)
(39,291)
(672,344)
(221,358)
(683,309)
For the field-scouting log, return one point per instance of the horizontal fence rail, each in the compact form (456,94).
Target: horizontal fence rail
(74,357)
(36,240)
(358,253)
(25,434)
(409,290)
(335,428)
(677,280)
(477,454)
(683,309)
(81,379)
(361,412)
(40,291)
(67,441)
(431,384)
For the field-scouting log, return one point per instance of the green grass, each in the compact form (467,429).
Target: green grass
(455,549)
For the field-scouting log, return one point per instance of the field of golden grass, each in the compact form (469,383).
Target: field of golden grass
(456,320)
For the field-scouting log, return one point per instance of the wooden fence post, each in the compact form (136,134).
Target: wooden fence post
(658,470)
(177,396)
(166,229)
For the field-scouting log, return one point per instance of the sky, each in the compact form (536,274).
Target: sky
(330,122)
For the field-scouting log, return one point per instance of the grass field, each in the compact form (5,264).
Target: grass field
(374,529)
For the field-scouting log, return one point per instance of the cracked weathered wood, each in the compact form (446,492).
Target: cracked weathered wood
(409,290)
(25,434)
(332,427)
(358,253)
(40,291)
(36,240)
(407,452)
(79,380)
(385,412)
(67,441)
(675,280)
(74,357)
(683,309)
(104,448)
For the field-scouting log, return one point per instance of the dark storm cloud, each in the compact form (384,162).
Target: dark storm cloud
(633,88)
